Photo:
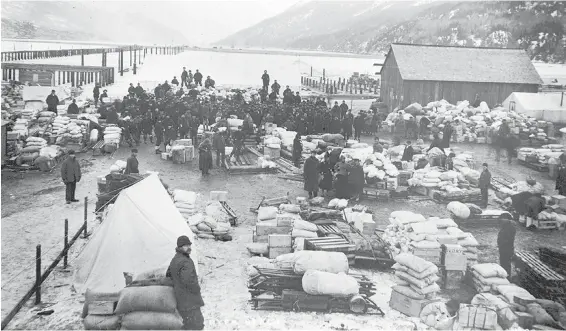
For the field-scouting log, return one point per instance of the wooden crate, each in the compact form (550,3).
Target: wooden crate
(380,195)
(332,244)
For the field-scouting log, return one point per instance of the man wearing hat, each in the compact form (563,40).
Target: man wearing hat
(71,175)
(186,286)
(132,163)
(52,101)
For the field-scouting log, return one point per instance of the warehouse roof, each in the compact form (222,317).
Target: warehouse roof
(464,64)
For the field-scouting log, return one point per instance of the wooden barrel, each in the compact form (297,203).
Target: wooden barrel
(358,304)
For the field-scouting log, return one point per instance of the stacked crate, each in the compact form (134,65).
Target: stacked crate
(453,266)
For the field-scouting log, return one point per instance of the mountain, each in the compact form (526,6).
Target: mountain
(371,26)
(84,21)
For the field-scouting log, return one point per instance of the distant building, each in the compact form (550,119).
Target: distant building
(425,73)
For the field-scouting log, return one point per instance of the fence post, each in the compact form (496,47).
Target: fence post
(38,274)
(66,243)
(311,71)
(85,234)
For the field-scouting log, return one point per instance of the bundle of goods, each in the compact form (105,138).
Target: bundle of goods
(286,139)
(338,203)
(151,307)
(542,155)
(362,221)
(21,126)
(410,232)
(31,111)
(486,275)
(416,279)
(212,224)
(378,167)
(46,117)
(185,202)
(11,94)
(31,152)
(265,163)
(75,131)
(60,124)
(112,135)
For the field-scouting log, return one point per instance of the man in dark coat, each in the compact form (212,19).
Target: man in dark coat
(184,76)
(561,180)
(263,95)
(408,152)
(52,102)
(275,87)
(506,244)
(147,128)
(159,130)
(484,182)
(73,108)
(96,94)
(335,110)
(358,127)
(198,78)
(356,179)
(447,135)
(71,175)
(297,100)
(132,164)
(265,80)
(209,82)
(103,95)
(272,96)
(297,150)
(219,144)
(347,123)
(343,109)
(186,286)
(175,81)
(377,146)
(139,90)
(311,175)
(131,89)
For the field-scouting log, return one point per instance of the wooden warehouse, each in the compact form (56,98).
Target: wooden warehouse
(425,73)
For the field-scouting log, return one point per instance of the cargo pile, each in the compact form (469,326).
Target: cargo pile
(11,95)
(413,233)
(212,224)
(547,154)
(185,202)
(112,135)
(22,127)
(476,124)
(486,275)
(416,279)
(46,118)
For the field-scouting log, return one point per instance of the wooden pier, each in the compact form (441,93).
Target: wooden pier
(341,87)
(54,74)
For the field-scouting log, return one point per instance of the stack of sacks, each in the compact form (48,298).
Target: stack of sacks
(424,243)
(416,278)
(60,125)
(468,242)
(149,308)
(487,275)
(74,132)
(21,126)
(30,112)
(397,232)
(34,144)
(46,117)
(185,202)
(98,311)
(62,109)
(112,135)
(338,203)
(378,167)
(212,224)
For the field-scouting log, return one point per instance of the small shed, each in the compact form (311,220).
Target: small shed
(425,73)
(549,107)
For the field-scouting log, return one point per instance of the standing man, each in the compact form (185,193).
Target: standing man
(96,94)
(174,81)
(447,135)
(275,87)
(132,163)
(139,90)
(343,109)
(52,102)
(506,244)
(198,78)
(311,175)
(209,82)
(185,284)
(358,127)
(184,76)
(485,181)
(193,130)
(219,144)
(408,152)
(297,100)
(265,80)
(335,110)
(71,175)
(190,79)
(356,179)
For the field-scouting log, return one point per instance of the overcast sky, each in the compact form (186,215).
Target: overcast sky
(208,21)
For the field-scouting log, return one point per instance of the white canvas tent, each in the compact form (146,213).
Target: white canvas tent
(542,106)
(139,234)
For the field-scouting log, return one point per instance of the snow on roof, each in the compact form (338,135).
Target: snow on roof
(464,64)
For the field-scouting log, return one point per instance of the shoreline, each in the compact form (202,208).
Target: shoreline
(210,49)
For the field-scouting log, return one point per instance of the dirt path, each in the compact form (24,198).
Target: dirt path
(34,211)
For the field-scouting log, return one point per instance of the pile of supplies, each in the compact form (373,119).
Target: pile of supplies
(416,279)
(46,118)
(487,275)
(213,223)
(185,202)
(112,135)
(409,232)
(547,154)
(22,127)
